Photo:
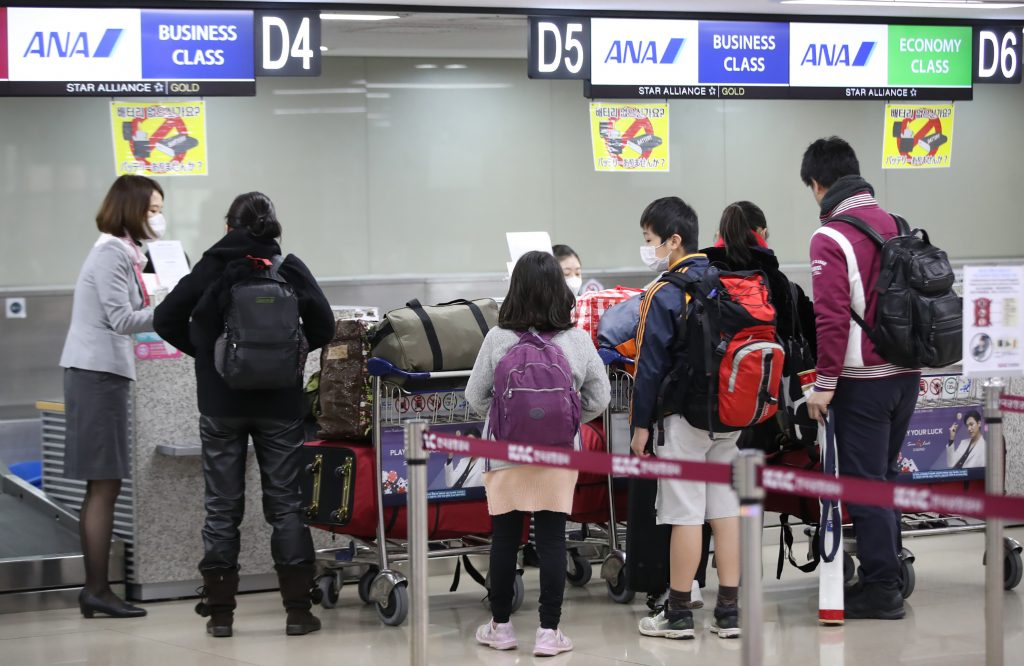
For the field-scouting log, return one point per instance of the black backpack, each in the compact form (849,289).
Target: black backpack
(263,345)
(920,317)
(727,370)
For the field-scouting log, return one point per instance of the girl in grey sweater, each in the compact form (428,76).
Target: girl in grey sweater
(539,300)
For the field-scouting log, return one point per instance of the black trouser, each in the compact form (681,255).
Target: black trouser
(277,443)
(549,527)
(871,418)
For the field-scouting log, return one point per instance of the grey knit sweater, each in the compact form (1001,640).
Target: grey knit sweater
(588,372)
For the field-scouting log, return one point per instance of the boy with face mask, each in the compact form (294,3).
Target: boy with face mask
(670,232)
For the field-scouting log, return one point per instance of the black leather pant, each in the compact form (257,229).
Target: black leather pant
(277,443)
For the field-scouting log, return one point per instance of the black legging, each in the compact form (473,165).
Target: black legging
(549,528)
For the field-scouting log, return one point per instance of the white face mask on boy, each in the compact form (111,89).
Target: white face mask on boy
(649,255)
(575,283)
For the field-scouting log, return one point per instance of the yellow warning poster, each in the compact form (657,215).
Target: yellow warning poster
(159,138)
(917,136)
(630,138)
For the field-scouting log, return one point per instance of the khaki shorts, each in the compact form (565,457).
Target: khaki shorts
(692,502)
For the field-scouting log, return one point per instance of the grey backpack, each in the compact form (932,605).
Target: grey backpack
(263,345)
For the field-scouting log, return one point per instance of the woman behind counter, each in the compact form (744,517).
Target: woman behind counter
(110,303)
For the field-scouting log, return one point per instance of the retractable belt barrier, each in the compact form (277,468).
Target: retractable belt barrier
(906,497)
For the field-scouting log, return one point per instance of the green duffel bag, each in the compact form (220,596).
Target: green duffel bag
(434,338)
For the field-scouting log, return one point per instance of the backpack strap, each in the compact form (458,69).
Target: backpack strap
(685,280)
(863,227)
(867,230)
(429,331)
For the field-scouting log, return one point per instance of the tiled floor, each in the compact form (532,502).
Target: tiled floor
(944,627)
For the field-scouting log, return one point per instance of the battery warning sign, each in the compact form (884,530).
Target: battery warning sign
(917,136)
(156,139)
(630,137)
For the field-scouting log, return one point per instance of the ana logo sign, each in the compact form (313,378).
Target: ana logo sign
(70,45)
(835,55)
(838,55)
(74,44)
(643,52)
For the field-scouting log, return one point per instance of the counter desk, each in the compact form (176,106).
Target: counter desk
(159,513)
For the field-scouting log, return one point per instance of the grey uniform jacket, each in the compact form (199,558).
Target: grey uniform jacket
(107,309)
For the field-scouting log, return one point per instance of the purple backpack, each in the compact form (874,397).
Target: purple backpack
(535,401)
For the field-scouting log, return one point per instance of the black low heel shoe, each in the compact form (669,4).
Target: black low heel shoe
(116,607)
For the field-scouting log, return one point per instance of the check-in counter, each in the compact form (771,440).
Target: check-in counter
(160,511)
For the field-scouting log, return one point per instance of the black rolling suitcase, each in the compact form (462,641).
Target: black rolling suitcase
(647,543)
(328,480)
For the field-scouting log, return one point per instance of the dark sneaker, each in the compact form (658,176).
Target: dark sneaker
(661,627)
(727,622)
(874,602)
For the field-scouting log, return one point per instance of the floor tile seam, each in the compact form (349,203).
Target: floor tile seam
(52,633)
(185,647)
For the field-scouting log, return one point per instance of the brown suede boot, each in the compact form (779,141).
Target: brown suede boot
(296,595)
(217,601)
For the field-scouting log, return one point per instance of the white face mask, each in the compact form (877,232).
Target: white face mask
(649,255)
(158,224)
(575,283)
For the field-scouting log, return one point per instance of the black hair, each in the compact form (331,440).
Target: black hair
(739,221)
(973,414)
(828,160)
(564,251)
(537,296)
(254,212)
(671,216)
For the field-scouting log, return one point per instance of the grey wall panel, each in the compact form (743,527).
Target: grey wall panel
(381,168)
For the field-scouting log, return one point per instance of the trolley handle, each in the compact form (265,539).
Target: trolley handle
(379,367)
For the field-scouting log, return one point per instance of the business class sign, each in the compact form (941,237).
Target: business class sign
(638,58)
(143,52)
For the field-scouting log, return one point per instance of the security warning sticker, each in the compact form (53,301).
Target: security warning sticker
(917,136)
(156,139)
(630,137)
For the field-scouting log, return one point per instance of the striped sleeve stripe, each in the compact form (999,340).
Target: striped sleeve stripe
(645,306)
(876,371)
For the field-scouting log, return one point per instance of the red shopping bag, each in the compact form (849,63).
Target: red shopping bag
(592,305)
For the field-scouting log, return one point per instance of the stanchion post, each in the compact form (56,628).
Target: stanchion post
(746,481)
(416,466)
(995,453)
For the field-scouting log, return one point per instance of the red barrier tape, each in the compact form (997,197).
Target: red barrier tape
(912,498)
(1012,403)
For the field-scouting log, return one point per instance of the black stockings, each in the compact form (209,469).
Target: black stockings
(96,527)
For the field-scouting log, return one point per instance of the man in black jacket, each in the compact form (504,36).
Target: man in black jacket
(192,318)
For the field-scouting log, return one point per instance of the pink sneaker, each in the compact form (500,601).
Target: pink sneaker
(551,642)
(497,636)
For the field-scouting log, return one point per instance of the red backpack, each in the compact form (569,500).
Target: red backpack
(727,369)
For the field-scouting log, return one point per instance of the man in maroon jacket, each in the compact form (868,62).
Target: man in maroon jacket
(869,400)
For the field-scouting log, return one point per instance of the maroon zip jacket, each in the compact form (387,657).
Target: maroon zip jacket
(845,264)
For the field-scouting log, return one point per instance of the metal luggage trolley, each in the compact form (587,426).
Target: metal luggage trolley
(613,569)
(439,399)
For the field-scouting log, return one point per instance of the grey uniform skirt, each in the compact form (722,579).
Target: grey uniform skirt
(96,421)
